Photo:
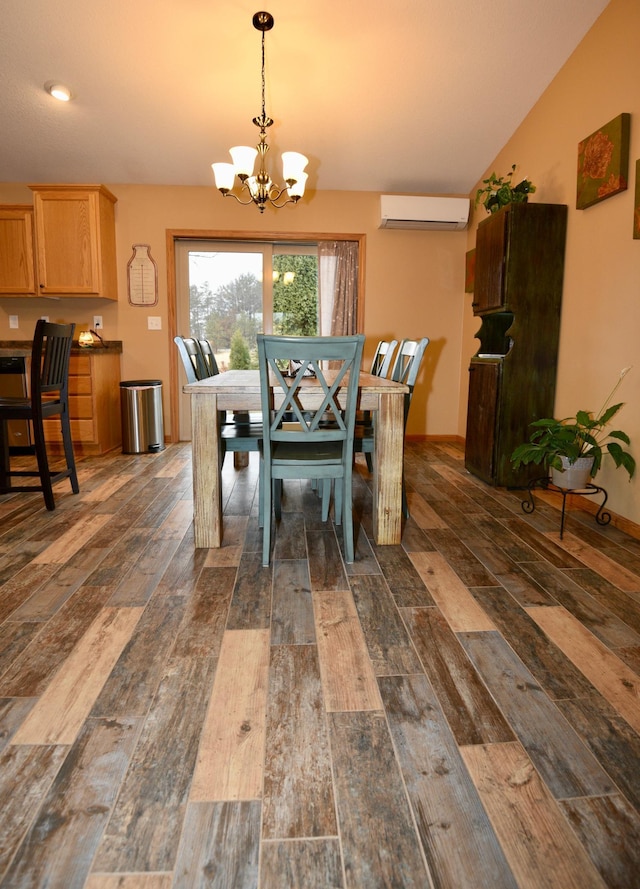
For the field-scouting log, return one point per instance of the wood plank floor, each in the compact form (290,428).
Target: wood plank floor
(458,712)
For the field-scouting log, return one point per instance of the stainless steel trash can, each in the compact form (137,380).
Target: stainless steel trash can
(142,419)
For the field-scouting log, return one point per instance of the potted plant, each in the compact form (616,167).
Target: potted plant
(573,449)
(499,191)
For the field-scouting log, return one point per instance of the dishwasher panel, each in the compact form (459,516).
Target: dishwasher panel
(13,382)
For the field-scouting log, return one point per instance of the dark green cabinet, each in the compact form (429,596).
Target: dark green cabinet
(518,297)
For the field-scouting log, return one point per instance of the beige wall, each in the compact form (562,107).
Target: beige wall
(600,332)
(414,282)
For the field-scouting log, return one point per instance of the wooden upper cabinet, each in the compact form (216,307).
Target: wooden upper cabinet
(17,269)
(491,256)
(75,240)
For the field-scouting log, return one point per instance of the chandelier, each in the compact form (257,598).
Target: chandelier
(258,188)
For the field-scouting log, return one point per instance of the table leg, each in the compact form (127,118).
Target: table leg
(207,462)
(387,469)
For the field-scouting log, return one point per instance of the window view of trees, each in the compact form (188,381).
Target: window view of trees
(295,295)
(231,315)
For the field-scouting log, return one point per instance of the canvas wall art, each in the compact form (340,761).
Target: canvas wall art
(603,162)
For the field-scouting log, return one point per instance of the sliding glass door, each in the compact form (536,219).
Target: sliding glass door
(228,291)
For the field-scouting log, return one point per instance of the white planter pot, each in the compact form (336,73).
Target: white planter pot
(573,475)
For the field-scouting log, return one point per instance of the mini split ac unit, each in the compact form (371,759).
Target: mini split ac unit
(429,214)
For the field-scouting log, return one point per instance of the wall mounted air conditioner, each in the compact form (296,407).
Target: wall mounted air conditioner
(430,214)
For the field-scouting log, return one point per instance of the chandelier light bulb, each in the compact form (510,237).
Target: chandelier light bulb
(224,175)
(244,159)
(296,190)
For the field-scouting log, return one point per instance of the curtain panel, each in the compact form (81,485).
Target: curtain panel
(338,287)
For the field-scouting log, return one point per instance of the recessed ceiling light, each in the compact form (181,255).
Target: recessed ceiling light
(58,91)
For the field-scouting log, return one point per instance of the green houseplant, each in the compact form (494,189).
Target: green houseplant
(499,191)
(561,445)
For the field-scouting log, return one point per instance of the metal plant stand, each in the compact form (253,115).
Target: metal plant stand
(602,517)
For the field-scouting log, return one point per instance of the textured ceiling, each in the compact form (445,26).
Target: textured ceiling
(410,96)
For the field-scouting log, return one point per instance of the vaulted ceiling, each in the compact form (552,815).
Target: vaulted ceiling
(410,96)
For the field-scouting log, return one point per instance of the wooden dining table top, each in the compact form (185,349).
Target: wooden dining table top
(247,382)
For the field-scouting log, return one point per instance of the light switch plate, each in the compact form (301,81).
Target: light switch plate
(154,322)
(13,322)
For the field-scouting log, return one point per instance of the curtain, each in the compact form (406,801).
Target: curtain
(338,287)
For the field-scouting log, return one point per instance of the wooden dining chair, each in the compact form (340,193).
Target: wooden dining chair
(406,368)
(303,446)
(49,397)
(240,432)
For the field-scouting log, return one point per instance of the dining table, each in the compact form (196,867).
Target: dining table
(239,390)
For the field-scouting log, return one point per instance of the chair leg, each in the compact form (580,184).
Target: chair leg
(68,452)
(277,498)
(347,519)
(5,478)
(266,520)
(369,460)
(405,502)
(43,465)
(338,504)
(325,486)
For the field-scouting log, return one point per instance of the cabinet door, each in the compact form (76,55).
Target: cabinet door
(67,226)
(17,268)
(482,415)
(491,253)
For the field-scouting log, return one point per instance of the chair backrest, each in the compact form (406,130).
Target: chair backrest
(383,357)
(50,354)
(209,358)
(407,364)
(406,367)
(333,418)
(193,360)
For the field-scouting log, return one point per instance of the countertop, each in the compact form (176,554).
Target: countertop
(10,348)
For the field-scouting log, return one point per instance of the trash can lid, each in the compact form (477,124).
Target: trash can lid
(140,384)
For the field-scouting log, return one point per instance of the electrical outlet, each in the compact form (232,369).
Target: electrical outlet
(13,322)
(154,322)
(97,322)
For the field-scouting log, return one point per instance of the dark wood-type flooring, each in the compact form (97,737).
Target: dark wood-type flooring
(461,711)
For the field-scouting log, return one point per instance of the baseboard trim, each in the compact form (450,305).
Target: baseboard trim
(577,501)
(455,439)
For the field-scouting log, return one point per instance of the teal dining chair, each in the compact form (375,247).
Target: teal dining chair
(383,357)
(241,432)
(297,441)
(380,367)
(193,361)
(406,368)
(208,357)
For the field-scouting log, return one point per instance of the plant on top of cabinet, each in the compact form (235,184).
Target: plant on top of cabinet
(499,191)
(75,240)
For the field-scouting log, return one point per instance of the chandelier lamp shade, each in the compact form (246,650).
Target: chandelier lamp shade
(258,188)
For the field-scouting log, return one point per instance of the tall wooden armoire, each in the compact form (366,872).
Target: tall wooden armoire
(518,295)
